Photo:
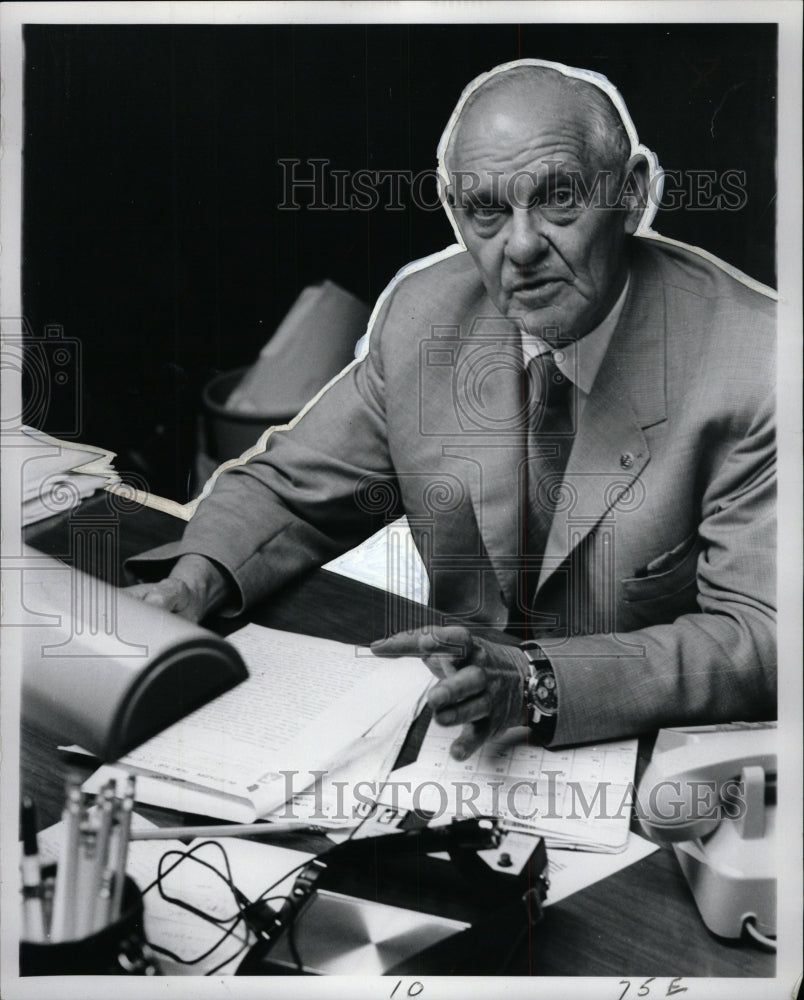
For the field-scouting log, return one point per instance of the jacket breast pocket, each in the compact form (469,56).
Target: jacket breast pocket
(669,586)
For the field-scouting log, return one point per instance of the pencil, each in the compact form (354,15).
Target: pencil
(121,852)
(85,879)
(104,899)
(64,893)
(223,830)
(99,919)
(48,888)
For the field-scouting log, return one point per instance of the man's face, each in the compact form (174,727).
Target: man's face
(544,255)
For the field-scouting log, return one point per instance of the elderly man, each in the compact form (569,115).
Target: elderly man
(575,415)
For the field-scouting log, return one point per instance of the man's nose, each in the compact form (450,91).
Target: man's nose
(526,240)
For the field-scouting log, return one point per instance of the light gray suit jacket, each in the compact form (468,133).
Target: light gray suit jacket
(655,594)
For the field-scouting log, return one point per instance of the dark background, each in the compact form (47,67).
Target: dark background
(151,232)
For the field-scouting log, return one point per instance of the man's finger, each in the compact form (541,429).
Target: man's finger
(452,642)
(157,598)
(471,710)
(401,644)
(169,595)
(472,736)
(466,683)
(441,666)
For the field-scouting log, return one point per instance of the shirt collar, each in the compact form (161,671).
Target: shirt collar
(580,360)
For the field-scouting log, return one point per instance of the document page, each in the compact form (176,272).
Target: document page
(304,704)
(578,797)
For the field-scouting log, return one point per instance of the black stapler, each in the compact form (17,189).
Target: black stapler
(386,905)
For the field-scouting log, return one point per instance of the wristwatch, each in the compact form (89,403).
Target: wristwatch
(541,693)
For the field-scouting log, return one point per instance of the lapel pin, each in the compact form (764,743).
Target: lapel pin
(626,460)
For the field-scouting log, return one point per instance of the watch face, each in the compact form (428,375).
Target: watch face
(542,691)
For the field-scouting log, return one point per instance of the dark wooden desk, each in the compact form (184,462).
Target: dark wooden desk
(640,922)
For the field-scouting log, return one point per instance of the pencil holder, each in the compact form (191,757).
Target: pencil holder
(119,949)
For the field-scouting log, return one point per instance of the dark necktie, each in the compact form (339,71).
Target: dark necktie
(551,428)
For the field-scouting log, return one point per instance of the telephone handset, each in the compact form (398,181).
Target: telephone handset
(710,792)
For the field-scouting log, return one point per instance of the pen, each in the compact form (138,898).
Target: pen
(64,894)
(31,875)
(121,850)
(223,830)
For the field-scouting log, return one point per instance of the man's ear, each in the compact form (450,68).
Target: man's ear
(446,190)
(635,192)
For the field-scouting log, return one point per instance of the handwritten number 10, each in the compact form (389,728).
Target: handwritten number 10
(414,989)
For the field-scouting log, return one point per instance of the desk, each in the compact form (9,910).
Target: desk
(640,922)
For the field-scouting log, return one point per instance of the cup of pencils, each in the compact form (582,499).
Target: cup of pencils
(83,915)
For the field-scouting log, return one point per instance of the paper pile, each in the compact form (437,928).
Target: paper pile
(312,711)
(57,475)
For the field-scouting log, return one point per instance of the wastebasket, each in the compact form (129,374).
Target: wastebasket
(228,433)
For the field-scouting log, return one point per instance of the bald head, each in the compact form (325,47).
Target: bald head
(524,92)
(544,192)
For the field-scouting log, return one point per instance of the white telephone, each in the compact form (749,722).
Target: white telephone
(710,792)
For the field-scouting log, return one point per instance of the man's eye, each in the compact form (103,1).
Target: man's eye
(562,206)
(562,198)
(486,213)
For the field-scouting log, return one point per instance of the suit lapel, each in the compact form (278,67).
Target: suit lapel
(610,450)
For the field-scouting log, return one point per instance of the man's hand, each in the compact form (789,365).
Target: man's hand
(194,589)
(481,682)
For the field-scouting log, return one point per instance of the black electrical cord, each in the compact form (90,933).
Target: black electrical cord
(244,905)
(234,920)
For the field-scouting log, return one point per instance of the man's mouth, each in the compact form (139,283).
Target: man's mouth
(536,288)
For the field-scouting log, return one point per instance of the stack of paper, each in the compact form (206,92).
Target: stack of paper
(346,794)
(57,475)
(312,710)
